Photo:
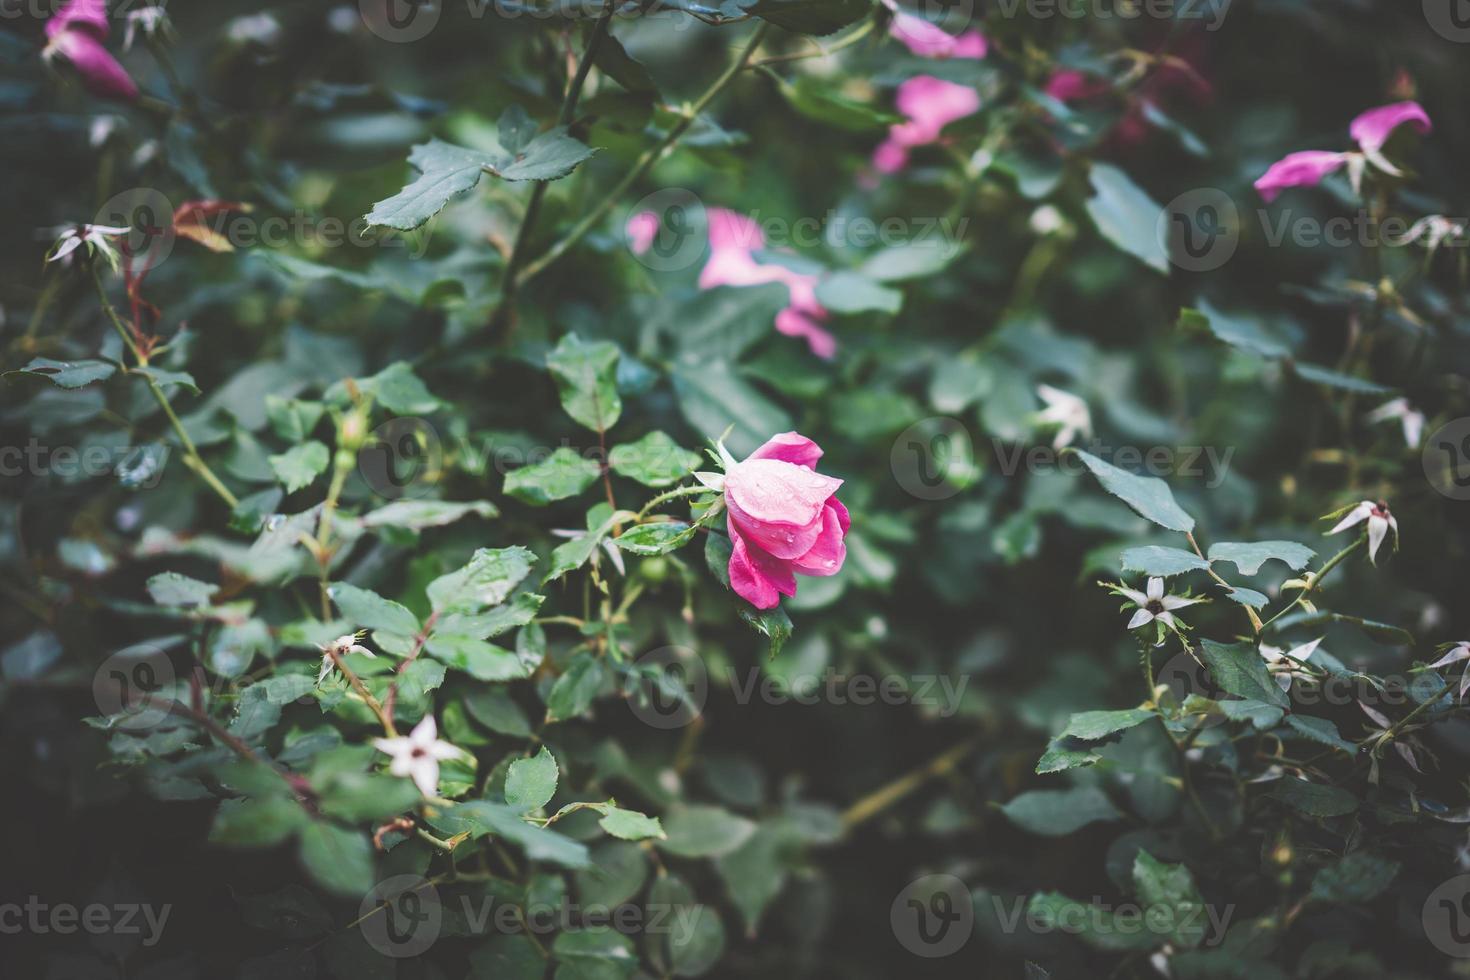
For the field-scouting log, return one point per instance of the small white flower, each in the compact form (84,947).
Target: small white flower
(151,21)
(1460,651)
(418,755)
(1153,604)
(1411,419)
(95,237)
(1282,664)
(1066,411)
(1384,725)
(343,645)
(1380,521)
(1434,229)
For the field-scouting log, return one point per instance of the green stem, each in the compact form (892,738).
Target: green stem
(1316,582)
(509,279)
(674,494)
(645,162)
(192,458)
(1403,722)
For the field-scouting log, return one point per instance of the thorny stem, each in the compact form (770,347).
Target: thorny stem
(324,533)
(192,458)
(1403,722)
(413,653)
(674,494)
(645,162)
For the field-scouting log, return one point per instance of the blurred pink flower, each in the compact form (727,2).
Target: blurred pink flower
(928,40)
(783,520)
(641,230)
(732,239)
(1372,129)
(1301,169)
(76,33)
(929,104)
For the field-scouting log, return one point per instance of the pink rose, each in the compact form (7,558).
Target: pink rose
(930,40)
(76,33)
(783,520)
(641,230)
(733,238)
(1372,129)
(929,104)
(1304,168)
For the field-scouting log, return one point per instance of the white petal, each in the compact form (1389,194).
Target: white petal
(1394,409)
(1283,681)
(426,774)
(67,247)
(1377,530)
(1139,618)
(1378,717)
(1167,617)
(1135,595)
(443,750)
(1306,649)
(1408,756)
(1413,428)
(395,746)
(1155,588)
(402,765)
(1355,516)
(1176,602)
(424,733)
(1460,651)
(1269,654)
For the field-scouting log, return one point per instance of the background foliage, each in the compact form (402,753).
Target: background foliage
(789,828)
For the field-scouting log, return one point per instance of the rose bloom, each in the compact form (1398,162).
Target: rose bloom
(783,519)
(76,33)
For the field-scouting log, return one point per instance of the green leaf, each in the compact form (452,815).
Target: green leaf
(713,398)
(531,783)
(819,17)
(358,796)
(446,171)
(339,860)
(1063,754)
(565,473)
(1239,670)
(1317,374)
(1321,731)
(657,538)
(1171,886)
(574,690)
(720,324)
(519,611)
(586,379)
(67,374)
(480,817)
(1149,496)
(654,461)
(1312,798)
(817,99)
(1163,562)
(774,624)
(1246,597)
(1250,557)
(261,822)
(613,60)
(630,824)
(1126,216)
(595,953)
(300,464)
(487,580)
(395,388)
(497,710)
(852,292)
(1093,725)
(166,379)
(173,589)
(703,831)
(368,610)
(756,872)
(1238,331)
(1356,878)
(482,661)
(1058,812)
(419,514)
(1097,926)
(917,259)
(286,688)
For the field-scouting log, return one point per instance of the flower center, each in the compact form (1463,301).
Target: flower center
(1155,606)
(418,752)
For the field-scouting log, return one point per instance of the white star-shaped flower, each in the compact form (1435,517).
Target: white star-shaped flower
(1460,651)
(1380,521)
(151,21)
(417,756)
(343,645)
(1283,664)
(1067,412)
(1411,419)
(1153,604)
(95,237)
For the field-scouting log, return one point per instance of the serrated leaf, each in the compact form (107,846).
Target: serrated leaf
(657,538)
(67,374)
(1249,558)
(565,473)
(586,379)
(1239,670)
(1093,725)
(1149,496)
(703,831)
(173,589)
(1058,812)
(300,464)
(1126,216)
(419,514)
(1313,798)
(488,579)
(630,824)
(365,609)
(656,460)
(531,783)
(1161,561)
(339,860)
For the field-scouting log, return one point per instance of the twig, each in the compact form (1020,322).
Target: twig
(886,796)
